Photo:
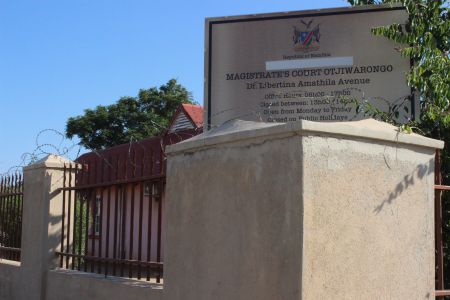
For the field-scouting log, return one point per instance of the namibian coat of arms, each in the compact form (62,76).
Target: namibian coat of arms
(306,38)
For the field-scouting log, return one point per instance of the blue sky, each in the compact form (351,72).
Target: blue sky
(59,57)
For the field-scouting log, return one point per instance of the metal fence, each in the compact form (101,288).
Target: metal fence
(113,210)
(11,204)
(112,216)
(440,189)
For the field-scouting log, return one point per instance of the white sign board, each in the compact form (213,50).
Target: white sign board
(285,67)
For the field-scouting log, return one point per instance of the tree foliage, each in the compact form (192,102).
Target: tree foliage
(130,118)
(427,36)
(425,39)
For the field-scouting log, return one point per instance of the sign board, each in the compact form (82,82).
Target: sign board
(285,67)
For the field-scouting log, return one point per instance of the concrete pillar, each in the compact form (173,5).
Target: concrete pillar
(296,211)
(42,220)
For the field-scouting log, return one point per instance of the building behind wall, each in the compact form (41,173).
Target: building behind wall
(123,187)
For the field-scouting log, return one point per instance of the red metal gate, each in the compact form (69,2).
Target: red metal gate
(441,293)
(113,228)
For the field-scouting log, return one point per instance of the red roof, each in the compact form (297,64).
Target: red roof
(141,158)
(195,112)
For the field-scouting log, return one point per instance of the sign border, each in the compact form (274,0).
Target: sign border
(210,22)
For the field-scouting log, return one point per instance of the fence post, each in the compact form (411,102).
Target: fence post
(42,224)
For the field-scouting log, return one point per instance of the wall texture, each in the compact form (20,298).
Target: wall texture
(263,211)
(73,285)
(302,211)
(369,220)
(9,279)
(234,222)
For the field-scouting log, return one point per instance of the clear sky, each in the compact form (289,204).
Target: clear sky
(59,57)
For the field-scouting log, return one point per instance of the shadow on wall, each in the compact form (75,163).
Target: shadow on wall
(54,218)
(419,173)
(56,233)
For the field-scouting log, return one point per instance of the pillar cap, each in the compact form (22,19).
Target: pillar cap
(51,161)
(368,129)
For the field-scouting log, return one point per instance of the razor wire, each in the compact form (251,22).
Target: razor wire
(53,142)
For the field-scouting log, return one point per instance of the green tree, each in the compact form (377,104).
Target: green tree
(130,118)
(426,40)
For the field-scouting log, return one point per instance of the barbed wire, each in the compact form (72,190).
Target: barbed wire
(360,102)
(71,150)
(66,148)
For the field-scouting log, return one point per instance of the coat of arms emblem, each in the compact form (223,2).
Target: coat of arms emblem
(306,38)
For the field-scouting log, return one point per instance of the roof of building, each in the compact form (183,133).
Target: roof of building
(187,116)
(195,112)
(144,158)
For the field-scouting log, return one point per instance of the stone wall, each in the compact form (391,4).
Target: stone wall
(301,211)
(369,220)
(9,279)
(262,211)
(237,221)
(73,285)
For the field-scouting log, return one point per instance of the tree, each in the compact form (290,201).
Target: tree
(130,118)
(426,37)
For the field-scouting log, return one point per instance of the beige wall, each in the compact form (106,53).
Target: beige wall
(72,285)
(235,222)
(369,220)
(9,279)
(42,224)
(305,211)
(263,211)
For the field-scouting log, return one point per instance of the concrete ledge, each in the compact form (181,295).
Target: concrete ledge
(369,129)
(70,284)
(9,279)
(11,263)
(116,280)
